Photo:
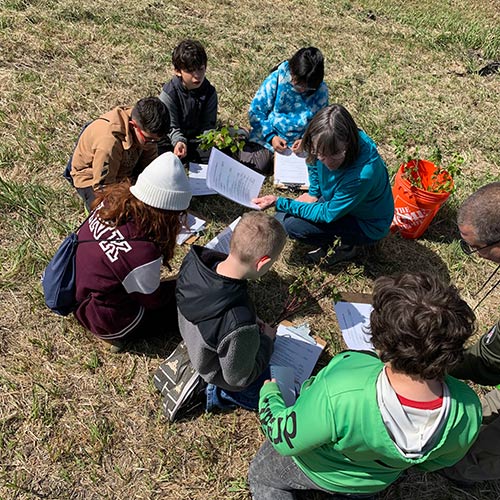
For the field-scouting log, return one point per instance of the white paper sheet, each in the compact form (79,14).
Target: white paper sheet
(233,180)
(354,321)
(297,351)
(222,241)
(193,226)
(198,179)
(285,378)
(290,169)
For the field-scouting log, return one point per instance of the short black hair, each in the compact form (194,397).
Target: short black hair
(152,116)
(419,324)
(307,67)
(332,130)
(189,55)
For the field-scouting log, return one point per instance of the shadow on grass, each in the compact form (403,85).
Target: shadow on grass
(271,296)
(423,485)
(392,255)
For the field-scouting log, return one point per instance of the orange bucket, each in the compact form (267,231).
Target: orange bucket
(414,208)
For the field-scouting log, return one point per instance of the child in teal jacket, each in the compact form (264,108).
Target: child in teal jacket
(364,419)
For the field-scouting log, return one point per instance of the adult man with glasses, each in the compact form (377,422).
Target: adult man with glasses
(479,225)
(118,145)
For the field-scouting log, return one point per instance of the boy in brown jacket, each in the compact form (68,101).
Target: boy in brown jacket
(117,145)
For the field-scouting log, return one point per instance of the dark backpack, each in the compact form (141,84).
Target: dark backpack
(59,277)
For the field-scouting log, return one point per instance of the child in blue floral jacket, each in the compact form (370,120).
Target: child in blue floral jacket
(283,106)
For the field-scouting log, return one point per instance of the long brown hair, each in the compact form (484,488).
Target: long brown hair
(160,226)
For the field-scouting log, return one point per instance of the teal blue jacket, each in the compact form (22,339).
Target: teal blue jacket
(361,189)
(336,435)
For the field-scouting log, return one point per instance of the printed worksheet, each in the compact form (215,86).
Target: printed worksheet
(285,378)
(354,322)
(198,179)
(233,180)
(298,350)
(222,241)
(290,169)
(193,226)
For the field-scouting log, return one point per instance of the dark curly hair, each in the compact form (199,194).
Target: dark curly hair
(419,324)
(189,55)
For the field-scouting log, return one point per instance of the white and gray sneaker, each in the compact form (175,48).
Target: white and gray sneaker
(179,383)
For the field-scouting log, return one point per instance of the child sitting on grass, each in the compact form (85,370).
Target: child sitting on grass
(228,345)
(191,101)
(364,419)
(283,106)
(117,146)
(123,244)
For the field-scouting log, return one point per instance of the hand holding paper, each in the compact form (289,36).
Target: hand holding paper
(233,180)
(265,201)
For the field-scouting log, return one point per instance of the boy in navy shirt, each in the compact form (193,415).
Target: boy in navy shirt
(191,101)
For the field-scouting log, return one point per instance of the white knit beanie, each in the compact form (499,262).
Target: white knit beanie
(163,184)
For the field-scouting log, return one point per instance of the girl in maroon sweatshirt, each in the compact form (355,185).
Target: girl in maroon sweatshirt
(132,231)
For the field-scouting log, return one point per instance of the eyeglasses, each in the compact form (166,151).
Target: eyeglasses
(469,250)
(337,156)
(145,140)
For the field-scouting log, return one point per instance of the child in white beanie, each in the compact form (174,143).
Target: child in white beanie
(123,244)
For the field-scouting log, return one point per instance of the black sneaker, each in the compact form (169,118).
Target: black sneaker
(179,383)
(326,257)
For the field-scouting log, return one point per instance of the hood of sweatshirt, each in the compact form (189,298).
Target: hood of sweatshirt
(201,293)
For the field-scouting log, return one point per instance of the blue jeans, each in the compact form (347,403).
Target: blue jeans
(248,398)
(322,234)
(275,477)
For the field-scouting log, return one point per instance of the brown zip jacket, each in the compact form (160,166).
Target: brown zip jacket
(108,152)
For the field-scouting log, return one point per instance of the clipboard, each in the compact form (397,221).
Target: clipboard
(283,162)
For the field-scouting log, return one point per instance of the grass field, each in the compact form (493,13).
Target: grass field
(78,422)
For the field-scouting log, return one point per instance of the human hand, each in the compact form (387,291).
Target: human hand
(267,330)
(297,146)
(265,201)
(269,380)
(279,144)
(180,150)
(307,198)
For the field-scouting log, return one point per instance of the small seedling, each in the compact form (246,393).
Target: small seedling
(227,137)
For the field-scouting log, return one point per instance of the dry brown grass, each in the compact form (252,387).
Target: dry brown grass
(78,422)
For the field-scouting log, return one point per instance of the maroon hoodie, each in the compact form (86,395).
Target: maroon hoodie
(115,280)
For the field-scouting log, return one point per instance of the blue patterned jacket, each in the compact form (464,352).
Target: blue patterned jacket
(278,109)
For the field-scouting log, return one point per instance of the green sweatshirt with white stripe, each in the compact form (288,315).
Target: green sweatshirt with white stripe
(336,435)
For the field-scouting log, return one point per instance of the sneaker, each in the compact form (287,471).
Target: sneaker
(116,346)
(341,253)
(179,383)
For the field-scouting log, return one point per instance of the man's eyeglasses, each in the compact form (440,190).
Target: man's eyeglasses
(469,250)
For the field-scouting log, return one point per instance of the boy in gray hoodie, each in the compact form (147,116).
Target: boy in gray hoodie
(227,343)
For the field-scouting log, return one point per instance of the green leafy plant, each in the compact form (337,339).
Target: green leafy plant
(441,180)
(226,137)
